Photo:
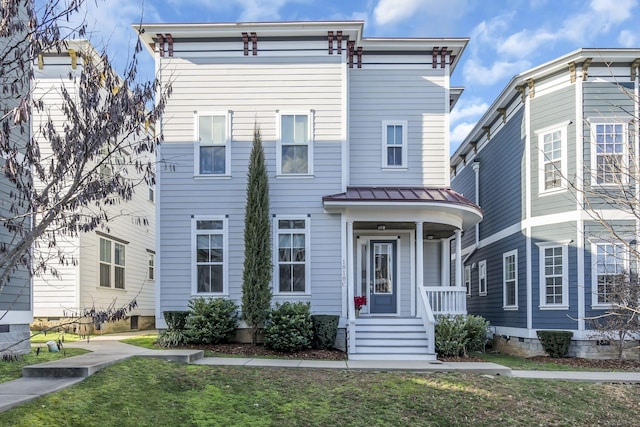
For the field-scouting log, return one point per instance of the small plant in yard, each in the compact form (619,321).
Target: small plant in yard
(555,343)
(176,333)
(458,335)
(359,301)
(211,321)
(289,327)
(325,329)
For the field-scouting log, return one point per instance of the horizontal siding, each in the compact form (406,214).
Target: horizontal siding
(464,182)
(411,95)
(548,111)
(490,306)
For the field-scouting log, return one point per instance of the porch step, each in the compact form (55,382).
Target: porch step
(391,339)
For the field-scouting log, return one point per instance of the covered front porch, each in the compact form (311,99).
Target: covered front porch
(397,250)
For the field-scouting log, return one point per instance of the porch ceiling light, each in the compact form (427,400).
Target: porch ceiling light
(382,227)
(429,236)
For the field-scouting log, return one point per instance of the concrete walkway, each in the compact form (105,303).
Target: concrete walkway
(44,378)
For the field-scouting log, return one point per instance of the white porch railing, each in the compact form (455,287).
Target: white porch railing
(429,321)
(449,300)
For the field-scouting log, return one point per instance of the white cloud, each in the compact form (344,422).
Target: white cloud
(522,43)
(475,72)
(459,133)
(628,38)
(430,13)
(393,11)
(249,10)
(466,109)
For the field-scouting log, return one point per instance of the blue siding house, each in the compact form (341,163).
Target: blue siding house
(547,163)
(355,133)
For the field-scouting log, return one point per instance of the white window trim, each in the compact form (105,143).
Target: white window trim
(310,143)
(225,255)
(151,256)
(504,280)
(482,266)
(625,153)
(405,125)
(467,279)
(112,264)
(594,272)
(542,160)
(543,305)
(197,145)
(307,252)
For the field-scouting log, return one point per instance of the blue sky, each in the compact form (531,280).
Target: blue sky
(507,36)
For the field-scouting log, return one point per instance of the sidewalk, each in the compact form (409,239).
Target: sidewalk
(44,378)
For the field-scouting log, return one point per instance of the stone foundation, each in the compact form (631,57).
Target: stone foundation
(15,341)
(84,326)
(587,349)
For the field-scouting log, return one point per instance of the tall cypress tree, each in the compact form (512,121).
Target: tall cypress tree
(256,276)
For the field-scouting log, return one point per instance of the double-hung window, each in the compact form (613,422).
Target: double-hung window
(112,264)
(295,143)
(608,153)
(510,280)
(467,279)
(394,144)
(151,265)
(209,253)
(212,149)
(482,278)
(552,145)
(292,254)
(554,280)
(609,265)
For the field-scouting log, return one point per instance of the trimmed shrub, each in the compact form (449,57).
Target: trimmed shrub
(289,328)
(175,334)
(555,343)
(212,321)
(458,335)
(325,330)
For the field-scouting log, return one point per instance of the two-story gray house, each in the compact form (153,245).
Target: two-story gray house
(355,132)
(548,163)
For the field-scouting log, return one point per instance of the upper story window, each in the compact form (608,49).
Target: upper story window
(112,264)
(212,149)
(292,252)
(151,265)
(482,278)
(554,279)
(609,262)
(209,254)
(552,146)
(394,144)
(295,143)
(608,153)
(510,279)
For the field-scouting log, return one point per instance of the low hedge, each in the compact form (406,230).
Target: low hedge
(289,327)
(325,330)
(555,343)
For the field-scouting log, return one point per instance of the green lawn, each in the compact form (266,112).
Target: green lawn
(13,370)
(515,362)
(38,337)
(152,392)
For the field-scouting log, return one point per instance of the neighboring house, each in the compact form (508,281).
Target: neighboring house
(15,299)
(541,163)
(356,138)
(108,267)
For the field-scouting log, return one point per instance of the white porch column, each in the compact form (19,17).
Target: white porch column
(458,258)
(445,262)
(351,315)
(419,259)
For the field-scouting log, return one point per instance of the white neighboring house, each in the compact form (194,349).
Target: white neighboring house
(112,265)
(356,138)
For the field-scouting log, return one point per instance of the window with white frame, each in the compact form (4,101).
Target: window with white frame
(209,255)
(554,280)
(482,278)
(212,150)
(609,267)
(552,143)
(152,193)
(394,144)
(112,264)
(292,254)
(467,279)
(295,144)
(151,265)
(608,153)
(510,279)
